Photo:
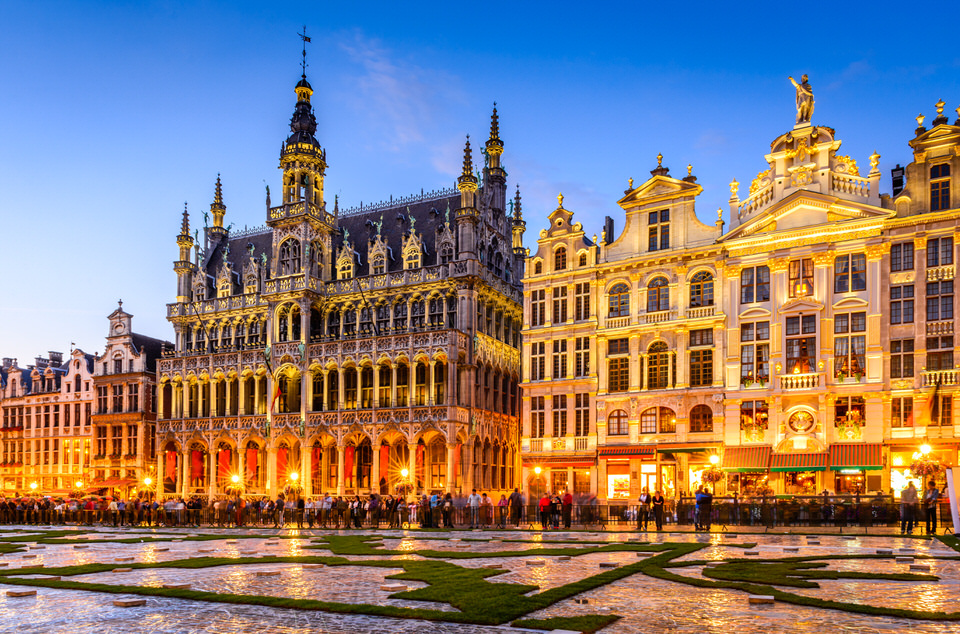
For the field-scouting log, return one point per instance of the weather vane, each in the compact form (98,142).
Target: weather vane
(303,64)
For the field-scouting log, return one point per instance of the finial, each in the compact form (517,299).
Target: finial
(734,188)
(630,183)
(467,159)
(958,113)
(517,213)
(119,303)
(689,169)
(560,200)
(218,192)
(336,203)
(185,224)
(494,124)
(940,106)
(303,63)
(659,159)
(720,214)
(920,119)
(874,162)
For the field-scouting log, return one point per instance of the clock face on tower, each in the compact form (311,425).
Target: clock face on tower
(118,329)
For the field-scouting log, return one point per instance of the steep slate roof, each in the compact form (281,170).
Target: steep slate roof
(150,347)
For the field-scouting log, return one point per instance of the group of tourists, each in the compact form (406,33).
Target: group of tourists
(650,506)
(910,503)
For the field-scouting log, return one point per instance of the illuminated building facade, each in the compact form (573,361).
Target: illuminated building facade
(124,431)
(352,351)
(46,424)
(803,347)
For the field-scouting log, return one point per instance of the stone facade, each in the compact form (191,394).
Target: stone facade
(347,351)
(803,347)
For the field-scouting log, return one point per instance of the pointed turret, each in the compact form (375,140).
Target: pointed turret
(182,267)
(467,182)
(519,226)
(494,144)
(467,215)
(302,159)
(218,210)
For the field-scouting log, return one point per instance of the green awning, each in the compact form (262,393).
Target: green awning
(746,459)
(679,448)
(799,462)
(866,456)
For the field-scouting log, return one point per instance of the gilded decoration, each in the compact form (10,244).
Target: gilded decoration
(846,165)
(801,176)
(801,422)
(763,179)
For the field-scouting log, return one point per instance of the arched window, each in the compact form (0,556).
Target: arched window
(658,368)
(446,253)
(619,301)
(701,419)
(701,290)
(617,424)
(658,295)
(345,270)
(583,259)
(289,262)
(412,259)
(537,268)
(662,418)
(560,259)
(379,264)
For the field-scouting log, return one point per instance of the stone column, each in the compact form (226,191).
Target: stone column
(376,385)
(682,378)
(340,471)
(359,388)
(306,392)
(451,477)
(306,481)
(212,479)
(451,396)
(375,470)
(393,385)
(242,397)
(341,388)
(412,462)
(430,379)
(412,380)
(645,359)
(186,400)
(326,389)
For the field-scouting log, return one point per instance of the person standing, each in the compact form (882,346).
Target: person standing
(643,510)
(930,498)
(908,507)
(657,501)
(515,506)
(473,503)
(567,508)
(545,511)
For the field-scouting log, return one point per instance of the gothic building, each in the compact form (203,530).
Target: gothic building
(348,351)
(809,347)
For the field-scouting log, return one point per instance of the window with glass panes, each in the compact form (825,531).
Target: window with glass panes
(658,295)
(133,397)
(538,360)
(939,353)
(559,415)
(801,336)
(581,301)
(701,419)
(116,439)
(753,413)
(850,409)
(537,417)
(619,301)
(662,418)
(901,411)
(755,352)
(939,252)
(849,348)
(901,304)
(658,366)
(940,300)
(755,285)
(538,307)
(901,257)
(658,230)
(617,423)
(850,273)
(102,399)
(131,440)
(800,275)
(581,413)
(940,187)
(701,290)
(581,358)
(701,357)
(559,358)
(901,359)
(942,412)
(559,304)
(618,365)
(117,398)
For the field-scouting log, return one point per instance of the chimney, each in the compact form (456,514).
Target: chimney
(608,229)
(898,174)
(56,358)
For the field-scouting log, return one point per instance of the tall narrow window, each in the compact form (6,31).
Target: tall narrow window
(940,187)
(559,304)
(701,357)
(538,361)
(940,300)
(901,359)
(939,252)
(658,366)
(559,358)
(701,290)
(581,301)
(559,415)
(618,365)
(619,301)
(850,273)
(800,273)
(755,285)
(901,304)
(537,417)
(901,257)
(901,411)
(289,257)
(581,365)
(755,352)
(849,348)
(560,259)
(658,295)
(801,335)
(581,414)
(538,307)
(659,230)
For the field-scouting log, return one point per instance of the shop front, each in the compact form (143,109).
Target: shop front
(798,473)
(691,458)
(747,470)
(557,475)
(856,468)
(902,458)
(625,471)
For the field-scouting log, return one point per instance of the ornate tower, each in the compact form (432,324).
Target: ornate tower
(217,232)
(467,215)
(519,226)
(183,267)
(302,160)
(495,178)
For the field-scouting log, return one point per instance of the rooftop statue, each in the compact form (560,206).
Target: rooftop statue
(804,99)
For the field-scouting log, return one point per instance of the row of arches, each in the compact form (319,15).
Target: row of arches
(660,420)
(658,295)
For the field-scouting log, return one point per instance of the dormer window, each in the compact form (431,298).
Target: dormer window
(411,260)
(446,254)
(940,187)
(289,261)
(379,265)
(224,289)
(659,230)
(345,270)
(537,268)
(582,260)
(560,259)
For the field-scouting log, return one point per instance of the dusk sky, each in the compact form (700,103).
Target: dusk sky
(114,114)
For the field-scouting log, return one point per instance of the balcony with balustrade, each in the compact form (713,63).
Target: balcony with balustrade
(930,378)
(801,381)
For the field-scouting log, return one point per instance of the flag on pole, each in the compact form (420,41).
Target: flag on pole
(933,407)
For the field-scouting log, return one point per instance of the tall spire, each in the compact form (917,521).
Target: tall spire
(467,180)
(519,226)
(185,224)
(494,147)
(217,208)
(517,214)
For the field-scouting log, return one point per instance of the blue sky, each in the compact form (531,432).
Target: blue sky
(114,114)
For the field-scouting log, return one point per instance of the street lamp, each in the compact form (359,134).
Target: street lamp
(293,476)
(714,459)
(925,449)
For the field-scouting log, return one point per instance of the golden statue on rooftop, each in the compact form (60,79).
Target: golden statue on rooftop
(804,99)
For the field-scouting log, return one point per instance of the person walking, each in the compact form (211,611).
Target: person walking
(908,508)
(473,503)
(516,502)
(657,501)
(567,509)
(643,510)
(930,498)
(544,507)
(502,512)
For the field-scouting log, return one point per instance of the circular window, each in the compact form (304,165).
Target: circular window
(801,422)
